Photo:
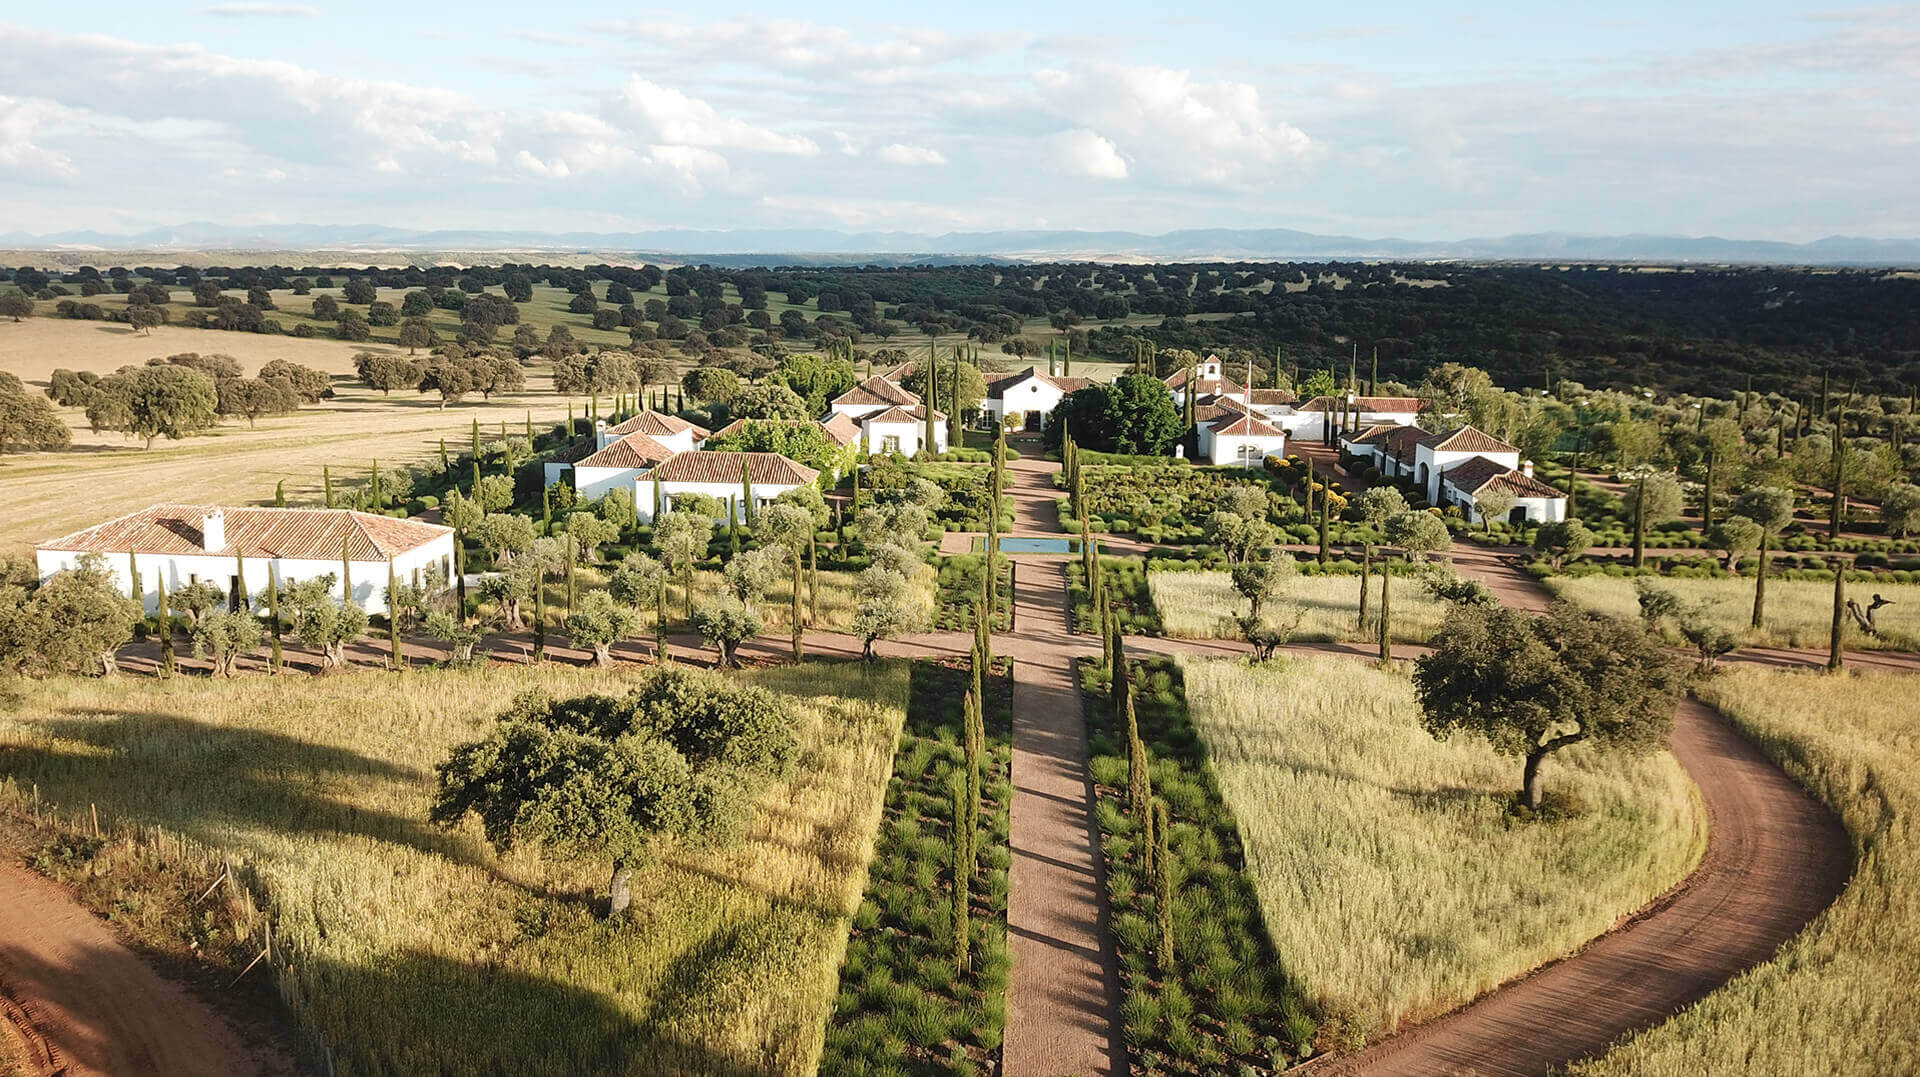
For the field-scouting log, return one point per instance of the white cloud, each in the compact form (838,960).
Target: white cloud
(242,11)
(673,118)
(1207,133)
(691,168)
(900,154)
(1085,153)
(20,121)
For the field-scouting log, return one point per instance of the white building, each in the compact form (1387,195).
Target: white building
(616,465)
(672,431)
(1245,441)
(1309,418)
(1208,380)
(1031,394)
(185,544)
(871,397)
(1436,454)
(1533,500)
(903,430)
(723,476)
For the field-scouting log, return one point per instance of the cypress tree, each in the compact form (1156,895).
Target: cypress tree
(746,494)
(546,510)
(1836,645)
(567,609)
(326,483)
(460,571)
(813,578)
(378,503)
(134,588)
(475,488)
(540,614)
(445,464)
(273,617)
(962,958)
(393,619)
(1366,583)
(975,747)
(733,526)
(475,447)
(166,626)
(933,397)
(1163,887)
(1706,496)
(1326,517)
(1640,525)
(659,498)
(280,494)
(1066,357)
(660,620)
(1386,614)
(346,573)
(242,599)
(1839,507)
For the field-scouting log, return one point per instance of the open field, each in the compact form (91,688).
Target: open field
(837,600)
(1203,605)
(420,950)
(1839,997)
(1799,612)
(1394,878)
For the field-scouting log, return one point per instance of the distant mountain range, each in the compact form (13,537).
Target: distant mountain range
(775,246)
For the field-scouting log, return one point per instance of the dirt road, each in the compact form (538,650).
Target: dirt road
(95,1006)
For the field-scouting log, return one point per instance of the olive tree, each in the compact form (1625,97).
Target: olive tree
(223,637)
(1562,540)
(790,527)
(680,760)
(882,610)
(324,622)
(1531,686)
(1418,533)
(1771,507)
(726,622)
(599,622)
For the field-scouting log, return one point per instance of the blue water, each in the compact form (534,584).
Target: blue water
(1032,545)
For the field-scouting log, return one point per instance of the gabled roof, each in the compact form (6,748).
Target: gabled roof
(998,384)
(1480,474)
(913,414)
(295,534)
(634,450)
(899,373)
(1466,439)
(878,391)
(574,453)
(1273,397)
(1373,435)
(843,430)
(1401,441)
(1206,383)
(656,424)
(768,468)
(1247,426)
(1392,405)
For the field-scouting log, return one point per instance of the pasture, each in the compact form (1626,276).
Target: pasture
(1395,879)
(1799,613)
(1838,998)
(423,951)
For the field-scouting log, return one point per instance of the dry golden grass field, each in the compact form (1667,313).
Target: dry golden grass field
(1394,878)
(1799,613)
(44,495)
(1204,605)
(1839,997)
(420,950)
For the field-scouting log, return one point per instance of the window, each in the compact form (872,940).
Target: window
(890,443)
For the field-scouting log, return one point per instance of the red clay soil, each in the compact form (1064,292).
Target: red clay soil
(96,1007)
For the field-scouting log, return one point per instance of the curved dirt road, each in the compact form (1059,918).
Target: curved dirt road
(95,1006)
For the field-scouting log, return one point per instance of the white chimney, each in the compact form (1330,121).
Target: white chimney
(1526,468)
(213,531)
(599,433)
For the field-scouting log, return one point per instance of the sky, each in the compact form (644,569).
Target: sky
(1753,120)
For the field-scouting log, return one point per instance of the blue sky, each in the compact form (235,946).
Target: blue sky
(1755,120)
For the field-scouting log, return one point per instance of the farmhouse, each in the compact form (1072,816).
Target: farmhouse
(1310,419)
(903,430)
(871,397)
(234,548)
(724,476)
(1029,395)
(1207,380)
(1436,454)
(1245,441)
(672,431)
(617,464)
(1533,500)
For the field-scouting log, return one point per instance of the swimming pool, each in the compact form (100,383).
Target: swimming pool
(1031,545)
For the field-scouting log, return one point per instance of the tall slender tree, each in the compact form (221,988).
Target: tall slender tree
(278,657)
(166,625)
(1836,642)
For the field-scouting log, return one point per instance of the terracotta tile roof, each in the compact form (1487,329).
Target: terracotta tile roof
(1373,435)
(998,384)
(1273,397)
(876,391)
(1480,474)
(1205,383)
(1466,439)
(768,468)
(300,534)
(657,424)
(899,373)
(1247,426)
(843,430)
(1401,441)
(574,453)
(1394,405)
(634,450)
(914,414)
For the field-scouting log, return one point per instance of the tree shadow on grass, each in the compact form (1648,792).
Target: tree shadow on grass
(419,1012)
(207,781)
